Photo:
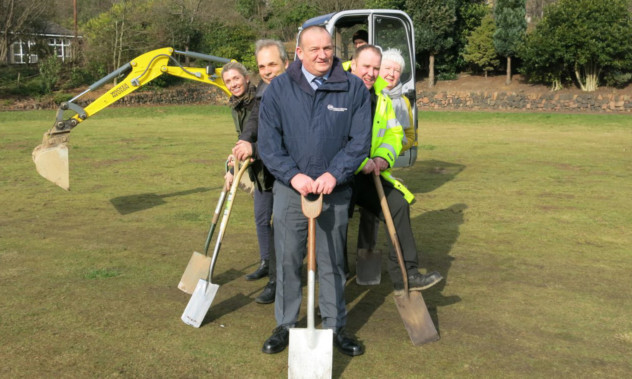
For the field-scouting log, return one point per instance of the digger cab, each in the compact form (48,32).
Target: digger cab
(387,29)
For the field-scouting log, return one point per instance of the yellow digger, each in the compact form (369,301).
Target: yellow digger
(51,156)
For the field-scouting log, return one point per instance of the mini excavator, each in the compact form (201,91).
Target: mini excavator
(51,156)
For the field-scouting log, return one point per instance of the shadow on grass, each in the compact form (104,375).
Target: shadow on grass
(227,276)
(134,203)
(427,176)
(233,303)
(230,305)
(440,230)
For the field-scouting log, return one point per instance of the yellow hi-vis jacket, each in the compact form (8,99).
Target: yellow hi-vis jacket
(386,140)
(410,132)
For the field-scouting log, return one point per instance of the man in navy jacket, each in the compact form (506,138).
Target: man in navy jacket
(314,132)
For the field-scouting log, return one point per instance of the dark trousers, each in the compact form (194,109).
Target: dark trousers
(265,232)
(290,239)
(263,222)
(367,230)
(366,197)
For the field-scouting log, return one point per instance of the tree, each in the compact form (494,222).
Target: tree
(511,26)
(328,6)
(116,36)
(535,10)
(287,15)
(19,16)
(542,57)
(386,4)
(230,41)
(49,68)
(480,46)
(469,14)
(434,21)
(587,38)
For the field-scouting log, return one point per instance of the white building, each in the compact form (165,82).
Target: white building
(24,48)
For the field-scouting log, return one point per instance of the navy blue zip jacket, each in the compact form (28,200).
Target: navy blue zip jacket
(313,132)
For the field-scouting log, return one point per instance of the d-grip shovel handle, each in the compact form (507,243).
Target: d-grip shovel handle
(311,210)
(391,228)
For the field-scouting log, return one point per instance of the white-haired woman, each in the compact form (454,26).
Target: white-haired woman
(391,70)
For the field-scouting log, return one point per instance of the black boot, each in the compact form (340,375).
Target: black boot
(267,296)
(347,344)
(418,281)
(278,341)
(260,272)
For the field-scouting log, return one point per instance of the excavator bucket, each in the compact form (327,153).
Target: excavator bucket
(51,159)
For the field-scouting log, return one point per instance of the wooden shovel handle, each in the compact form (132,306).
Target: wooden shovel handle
(311,210)
(391,228)
(227,209)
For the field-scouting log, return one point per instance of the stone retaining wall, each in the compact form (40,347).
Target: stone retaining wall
(175,96)
(426,100)
(184,95)
(503,101)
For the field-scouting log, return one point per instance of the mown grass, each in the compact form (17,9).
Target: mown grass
(526,216)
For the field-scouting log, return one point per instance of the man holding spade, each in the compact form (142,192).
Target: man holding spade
(314,132)
(272,61)
(386,144)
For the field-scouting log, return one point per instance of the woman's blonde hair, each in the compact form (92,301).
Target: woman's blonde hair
(235,66)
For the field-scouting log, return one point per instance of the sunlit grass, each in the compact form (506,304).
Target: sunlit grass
(525,215)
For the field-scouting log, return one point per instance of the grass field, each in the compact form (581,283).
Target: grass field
(527,216)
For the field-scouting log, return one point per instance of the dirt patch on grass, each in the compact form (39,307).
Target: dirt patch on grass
(110,162)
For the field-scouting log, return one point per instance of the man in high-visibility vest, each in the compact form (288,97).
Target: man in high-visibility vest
(386,144)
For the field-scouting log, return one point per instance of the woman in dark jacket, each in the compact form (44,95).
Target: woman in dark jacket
(242,101)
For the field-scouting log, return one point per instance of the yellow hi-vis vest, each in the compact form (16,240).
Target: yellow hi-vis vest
(386,140)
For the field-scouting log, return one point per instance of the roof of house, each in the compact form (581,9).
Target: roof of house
(49,28)
(55,29)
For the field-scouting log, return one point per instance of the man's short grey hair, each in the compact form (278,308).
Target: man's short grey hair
(235,66)
(310,28)
(263,43)
(394,55)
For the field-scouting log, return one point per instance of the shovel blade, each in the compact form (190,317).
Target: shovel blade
(368,267)
(414,313)
(52,163)
(199,304)
(197,269)
(310,353)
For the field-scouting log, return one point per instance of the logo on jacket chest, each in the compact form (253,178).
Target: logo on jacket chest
(336,109)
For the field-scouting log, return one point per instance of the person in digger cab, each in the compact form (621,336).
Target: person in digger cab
(272,61)
(242,102)
(314,131)
(390,70)
(359,38)
(386,145)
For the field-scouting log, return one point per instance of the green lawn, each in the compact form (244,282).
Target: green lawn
(527,216)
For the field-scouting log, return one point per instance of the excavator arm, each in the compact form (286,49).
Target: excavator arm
(51,156)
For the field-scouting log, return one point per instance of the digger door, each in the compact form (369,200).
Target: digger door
(387,29)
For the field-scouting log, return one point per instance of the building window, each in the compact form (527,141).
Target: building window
(21,52)
(61,47)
